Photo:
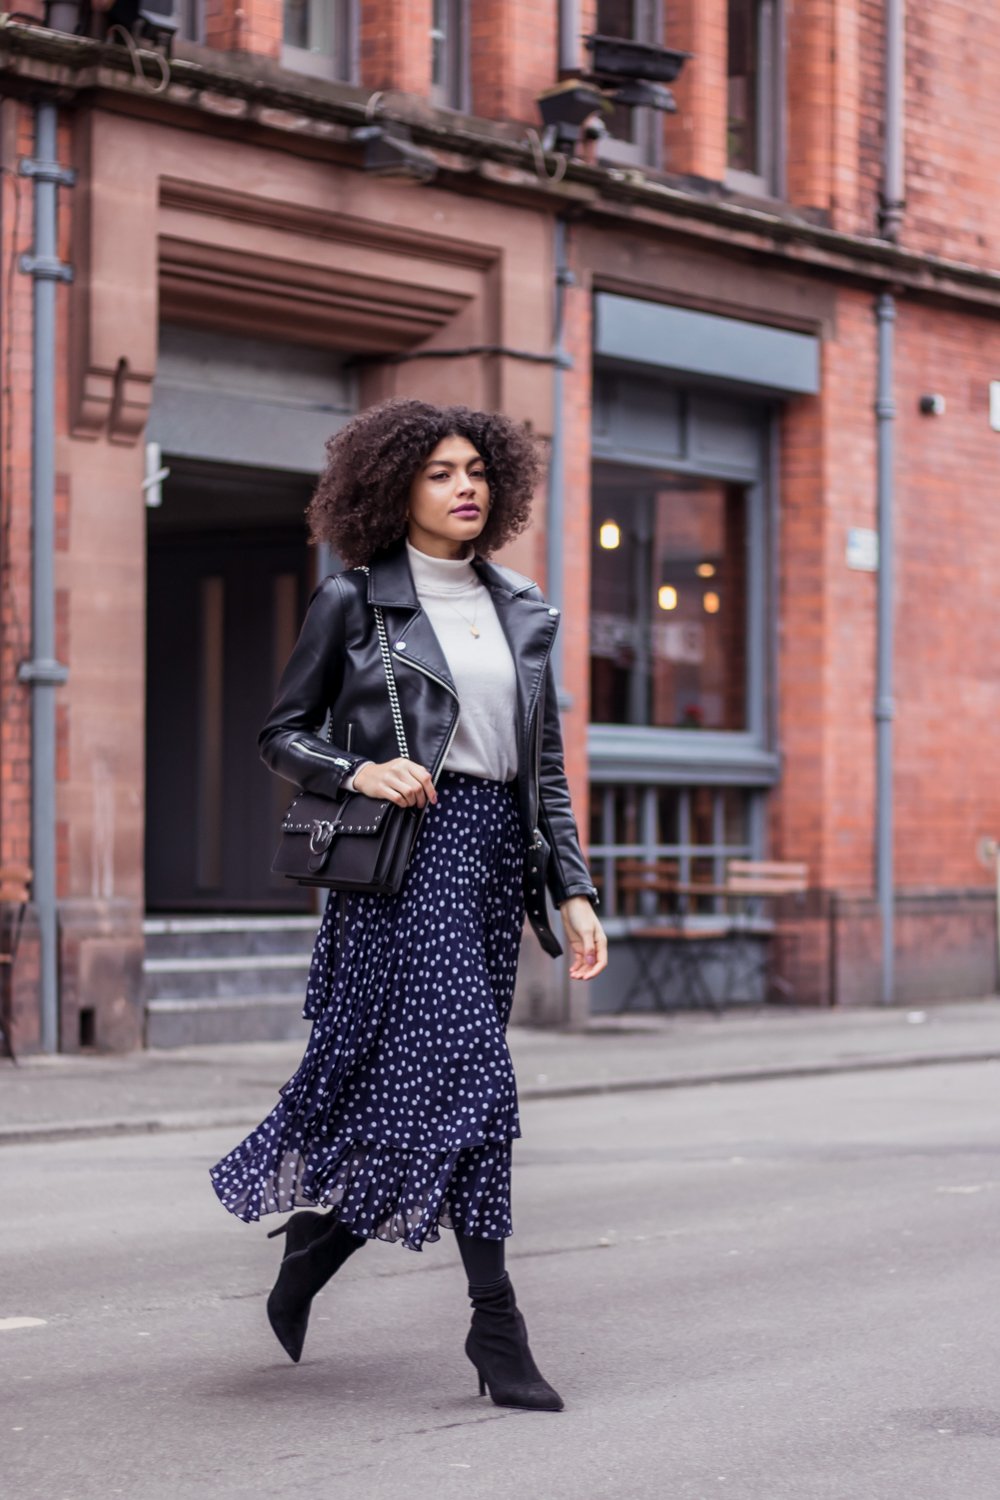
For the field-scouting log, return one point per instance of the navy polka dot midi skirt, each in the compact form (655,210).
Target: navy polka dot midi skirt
(403,1109)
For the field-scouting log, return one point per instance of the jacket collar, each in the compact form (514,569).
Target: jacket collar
(390,581)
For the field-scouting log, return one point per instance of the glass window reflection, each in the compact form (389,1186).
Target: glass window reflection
(668,601)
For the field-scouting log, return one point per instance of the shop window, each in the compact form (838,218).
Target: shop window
(753,112)
(449,53)
(669,595)
(318,38)
(633,134)
(690,831)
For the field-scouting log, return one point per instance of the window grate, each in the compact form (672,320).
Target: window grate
(693,831)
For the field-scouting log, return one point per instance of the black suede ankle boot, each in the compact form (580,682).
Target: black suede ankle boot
(316,1247)
(497,1345)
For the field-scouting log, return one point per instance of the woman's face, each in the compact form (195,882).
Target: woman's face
(449,499)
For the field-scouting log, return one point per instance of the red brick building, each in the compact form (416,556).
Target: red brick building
(312,204)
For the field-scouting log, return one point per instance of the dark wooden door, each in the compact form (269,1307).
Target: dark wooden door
(224,610)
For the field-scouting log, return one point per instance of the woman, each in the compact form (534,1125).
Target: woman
(401,1115)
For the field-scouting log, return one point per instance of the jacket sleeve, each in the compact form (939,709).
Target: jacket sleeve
(290,742)
(568,874)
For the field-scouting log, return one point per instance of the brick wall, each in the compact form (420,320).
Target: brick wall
(948,624)
(513,56)
(395,45)
(695,137)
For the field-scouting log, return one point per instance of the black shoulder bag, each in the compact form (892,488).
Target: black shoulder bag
(352,842)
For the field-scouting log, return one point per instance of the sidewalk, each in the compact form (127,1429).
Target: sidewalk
(47,1098)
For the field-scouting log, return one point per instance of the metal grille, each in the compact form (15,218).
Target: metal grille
(692,830)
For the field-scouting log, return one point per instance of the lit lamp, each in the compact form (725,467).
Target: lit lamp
(610,535)
(711,603)
(666,596)
(705,570)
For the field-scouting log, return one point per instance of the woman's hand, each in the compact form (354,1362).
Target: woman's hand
(585,936)
(401,781)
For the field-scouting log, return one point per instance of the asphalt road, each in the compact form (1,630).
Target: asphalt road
(760,1290)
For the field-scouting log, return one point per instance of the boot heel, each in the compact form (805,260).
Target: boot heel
(482,1385)
(281,1229)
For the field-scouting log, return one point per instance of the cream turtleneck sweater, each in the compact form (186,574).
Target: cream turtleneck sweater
(482,668)
(453,597)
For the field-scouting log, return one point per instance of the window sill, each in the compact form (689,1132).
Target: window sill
(701,757)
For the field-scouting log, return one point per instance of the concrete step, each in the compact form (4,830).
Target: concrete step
(229,976)
(201,1020)
(221,937)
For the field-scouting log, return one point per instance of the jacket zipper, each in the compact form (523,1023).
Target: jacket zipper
(330,760)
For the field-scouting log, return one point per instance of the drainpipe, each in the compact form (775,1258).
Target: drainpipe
(43,673)
(885,416)
(554,552)
(890,220)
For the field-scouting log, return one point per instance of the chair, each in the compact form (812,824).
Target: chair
(755,934)
(15,886)
(667,944)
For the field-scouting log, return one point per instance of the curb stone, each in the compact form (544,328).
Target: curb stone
(65,1130)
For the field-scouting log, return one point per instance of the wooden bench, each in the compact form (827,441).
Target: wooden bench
(759,893)
(15,891)
(665,942)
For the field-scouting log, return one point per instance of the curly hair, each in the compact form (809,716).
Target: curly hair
(359,506)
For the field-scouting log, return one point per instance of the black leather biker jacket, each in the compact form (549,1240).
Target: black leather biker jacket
(337,666)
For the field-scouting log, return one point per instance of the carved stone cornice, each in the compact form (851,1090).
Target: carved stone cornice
(230,290)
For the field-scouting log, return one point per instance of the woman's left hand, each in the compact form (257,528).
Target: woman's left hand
(585,936)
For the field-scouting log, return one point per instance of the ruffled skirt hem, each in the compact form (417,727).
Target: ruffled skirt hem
(379,1190)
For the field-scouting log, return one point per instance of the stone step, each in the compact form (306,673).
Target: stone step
(191,937)
(206,1019)
(227,976)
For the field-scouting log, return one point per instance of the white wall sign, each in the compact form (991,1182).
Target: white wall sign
(995,405)
(862,549)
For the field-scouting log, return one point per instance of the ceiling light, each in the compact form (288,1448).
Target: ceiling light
(610,535)
(711,603)
(705,570)
(666,596)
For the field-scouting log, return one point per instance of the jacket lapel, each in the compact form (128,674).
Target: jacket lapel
(411,635)
(530,627)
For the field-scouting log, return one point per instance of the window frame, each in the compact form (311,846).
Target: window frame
(646,149)
(455,93)
(341,64)
(770,107)
(654,754)
(189,15)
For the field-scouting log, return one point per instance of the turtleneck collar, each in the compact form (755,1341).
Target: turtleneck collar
(441,575)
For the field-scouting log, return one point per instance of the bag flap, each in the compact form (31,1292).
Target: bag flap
(354,813)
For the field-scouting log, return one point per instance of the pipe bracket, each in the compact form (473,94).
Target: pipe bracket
(43,672)
(46,171)
(45,268)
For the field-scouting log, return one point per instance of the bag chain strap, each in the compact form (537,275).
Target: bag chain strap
(390,680)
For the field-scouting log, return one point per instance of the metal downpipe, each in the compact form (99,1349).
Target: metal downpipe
(554,521)
(43,673)
(892,203)
(885,413)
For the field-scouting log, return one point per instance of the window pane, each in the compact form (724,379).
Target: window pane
(439,44)
(319,33)
(668,602)
(742,123)
(668,815)
(296,23)
(617,18)
(735,823)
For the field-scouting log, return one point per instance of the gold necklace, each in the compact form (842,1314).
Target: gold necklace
(471,623)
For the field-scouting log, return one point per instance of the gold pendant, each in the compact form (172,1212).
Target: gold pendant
(474,631)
